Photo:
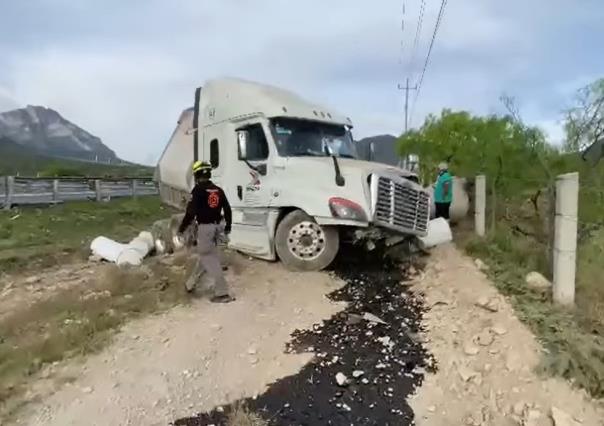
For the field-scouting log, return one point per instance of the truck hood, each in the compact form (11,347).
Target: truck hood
(349,167)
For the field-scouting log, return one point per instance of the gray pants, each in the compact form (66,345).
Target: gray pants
(208,260)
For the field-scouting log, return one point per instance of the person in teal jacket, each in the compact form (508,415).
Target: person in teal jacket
(443,191)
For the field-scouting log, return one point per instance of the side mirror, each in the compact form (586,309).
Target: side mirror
(242,138)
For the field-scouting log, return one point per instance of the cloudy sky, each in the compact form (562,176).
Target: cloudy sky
(124,69)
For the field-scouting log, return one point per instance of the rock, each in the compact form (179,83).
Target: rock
(471,349)
(466,373)
(33,279)
(499,330)
(481,265)
(252,350)
(534,417)
(512,361)
(341,379)
(216,327)
(490,305)
(518,408)
(562,418)
(484,338)
(254,360)
(432,408)
(536,281)
(372,318)
(386,341)
(357,373)
(87,389)
(353,319)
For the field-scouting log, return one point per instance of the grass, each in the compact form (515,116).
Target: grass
(241,416)
(41,237)
(573,339)
(80,321)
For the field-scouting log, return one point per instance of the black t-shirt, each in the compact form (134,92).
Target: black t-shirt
(208,204)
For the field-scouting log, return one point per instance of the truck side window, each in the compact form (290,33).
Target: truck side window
(214,155)
(258,145)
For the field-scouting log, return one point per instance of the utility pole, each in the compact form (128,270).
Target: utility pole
(406,88)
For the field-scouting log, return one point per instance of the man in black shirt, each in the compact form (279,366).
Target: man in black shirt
(208,204)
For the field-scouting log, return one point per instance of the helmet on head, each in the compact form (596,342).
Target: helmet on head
(443,166)
(202,169)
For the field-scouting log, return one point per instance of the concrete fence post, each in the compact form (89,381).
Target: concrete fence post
(10,192)
(97,189)
(565,238)
(134,187)
(55,190)
(480,205)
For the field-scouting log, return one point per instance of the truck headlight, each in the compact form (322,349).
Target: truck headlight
(346,209)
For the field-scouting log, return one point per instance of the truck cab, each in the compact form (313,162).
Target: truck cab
(290,171)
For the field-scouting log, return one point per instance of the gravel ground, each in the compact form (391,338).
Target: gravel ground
(368,358)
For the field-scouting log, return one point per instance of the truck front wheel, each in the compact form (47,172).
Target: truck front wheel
(303,245)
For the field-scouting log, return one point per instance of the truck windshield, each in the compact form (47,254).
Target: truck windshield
(303,138)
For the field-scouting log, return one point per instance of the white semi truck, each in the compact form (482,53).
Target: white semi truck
(289,170)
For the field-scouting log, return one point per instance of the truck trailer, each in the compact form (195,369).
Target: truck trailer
(290,171)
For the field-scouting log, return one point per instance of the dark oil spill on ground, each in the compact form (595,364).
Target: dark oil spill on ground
(390,356)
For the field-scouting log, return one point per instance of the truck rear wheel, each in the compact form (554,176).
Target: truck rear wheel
(303,245)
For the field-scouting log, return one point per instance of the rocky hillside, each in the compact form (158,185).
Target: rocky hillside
(46,132)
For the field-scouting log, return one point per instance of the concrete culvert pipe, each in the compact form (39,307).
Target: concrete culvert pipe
(132,253)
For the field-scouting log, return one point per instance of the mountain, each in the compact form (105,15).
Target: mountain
(44,131)
(381,149)
(18,160)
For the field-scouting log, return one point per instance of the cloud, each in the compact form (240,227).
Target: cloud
(125,70)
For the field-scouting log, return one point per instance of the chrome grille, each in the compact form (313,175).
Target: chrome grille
(401,207)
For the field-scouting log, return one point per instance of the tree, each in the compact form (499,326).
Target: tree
(499,146)
(584,122)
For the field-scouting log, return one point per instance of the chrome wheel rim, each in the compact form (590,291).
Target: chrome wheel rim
(306,241)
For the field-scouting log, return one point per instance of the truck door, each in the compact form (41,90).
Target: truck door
(249,191)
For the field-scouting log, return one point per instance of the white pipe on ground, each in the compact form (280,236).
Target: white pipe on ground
(132,253)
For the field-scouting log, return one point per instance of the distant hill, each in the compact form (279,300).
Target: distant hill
(381,149)
(46,132)
(16,159)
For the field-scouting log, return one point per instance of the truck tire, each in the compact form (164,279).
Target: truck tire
(304,245)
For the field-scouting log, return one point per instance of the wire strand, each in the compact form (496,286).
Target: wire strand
(441,12)
(418,32)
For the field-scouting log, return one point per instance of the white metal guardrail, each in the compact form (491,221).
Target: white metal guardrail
(15,190)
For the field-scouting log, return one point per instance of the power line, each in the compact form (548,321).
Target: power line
(418,31)
(441,12)
(402,50)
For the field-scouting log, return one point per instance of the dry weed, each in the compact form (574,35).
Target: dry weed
(241,416)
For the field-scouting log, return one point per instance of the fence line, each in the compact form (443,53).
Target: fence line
(562,221)
(15,190)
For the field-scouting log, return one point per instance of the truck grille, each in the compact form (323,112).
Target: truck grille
(401,207)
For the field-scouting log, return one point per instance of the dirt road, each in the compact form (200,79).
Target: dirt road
(191,360)
(486,357)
